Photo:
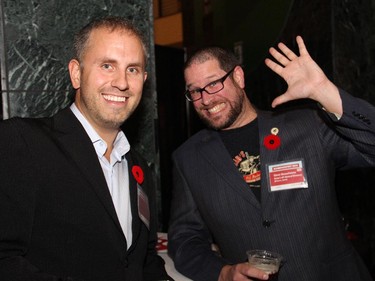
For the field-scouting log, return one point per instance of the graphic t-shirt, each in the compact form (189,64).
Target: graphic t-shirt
(243,145)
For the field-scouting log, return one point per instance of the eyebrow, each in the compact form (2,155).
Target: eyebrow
(139,64)
(209,77)
(114,61)
(105,59)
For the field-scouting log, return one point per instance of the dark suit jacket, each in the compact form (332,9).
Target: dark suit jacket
(213,204)
(57,219)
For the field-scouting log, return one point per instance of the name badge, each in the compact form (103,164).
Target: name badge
(143,207)
(286,175)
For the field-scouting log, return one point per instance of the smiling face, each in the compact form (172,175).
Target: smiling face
(109,78)
(228,108)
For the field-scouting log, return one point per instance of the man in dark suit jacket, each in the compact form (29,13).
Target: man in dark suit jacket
(76,203)
(265,180)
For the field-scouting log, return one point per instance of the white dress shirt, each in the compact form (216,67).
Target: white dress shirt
(115,172)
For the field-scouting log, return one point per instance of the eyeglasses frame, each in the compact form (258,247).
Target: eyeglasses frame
(201,90)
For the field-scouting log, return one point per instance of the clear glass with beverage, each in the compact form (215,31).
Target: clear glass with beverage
(265,260)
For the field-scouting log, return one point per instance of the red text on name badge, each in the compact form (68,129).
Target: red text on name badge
(287,175)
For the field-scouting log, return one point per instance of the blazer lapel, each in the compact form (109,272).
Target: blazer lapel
(213,151)
(136,223)
(266,123)
(72,138)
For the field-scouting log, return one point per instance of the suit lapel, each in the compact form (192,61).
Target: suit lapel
(77,146)
(136,223)
(266,123)
(215,153)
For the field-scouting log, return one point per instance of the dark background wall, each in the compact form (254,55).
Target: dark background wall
(172,125)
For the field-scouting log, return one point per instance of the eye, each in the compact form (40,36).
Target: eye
(195,91)
(133,70)
(212,84)
(107,66)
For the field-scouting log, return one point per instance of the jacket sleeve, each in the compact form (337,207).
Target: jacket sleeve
(189,241)
(357,125)
(18,188)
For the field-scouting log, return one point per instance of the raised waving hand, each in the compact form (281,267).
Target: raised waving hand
(304,77)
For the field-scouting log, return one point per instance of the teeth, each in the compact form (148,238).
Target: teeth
(216,108)
(114,98)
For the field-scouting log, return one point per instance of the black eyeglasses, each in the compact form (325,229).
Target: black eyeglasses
(211,88)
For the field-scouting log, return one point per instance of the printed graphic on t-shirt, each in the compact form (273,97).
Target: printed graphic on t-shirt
(249,167)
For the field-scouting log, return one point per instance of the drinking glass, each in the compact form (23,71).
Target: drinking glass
(265,260)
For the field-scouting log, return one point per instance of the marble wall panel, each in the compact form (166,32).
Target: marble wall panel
(37,37)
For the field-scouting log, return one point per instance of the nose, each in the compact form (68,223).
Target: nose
(120,81)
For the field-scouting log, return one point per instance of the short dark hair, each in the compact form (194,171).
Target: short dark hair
(226,59)
(110,22)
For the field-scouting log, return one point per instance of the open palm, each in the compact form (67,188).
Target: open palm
(301,73)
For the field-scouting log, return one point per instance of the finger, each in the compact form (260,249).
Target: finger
(287,52)
(279,57)
(301,46)
(278,69)
(256,273)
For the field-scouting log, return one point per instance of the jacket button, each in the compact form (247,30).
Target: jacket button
(266,223)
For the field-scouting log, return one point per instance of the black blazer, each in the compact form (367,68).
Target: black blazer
(212,203)
(57,219)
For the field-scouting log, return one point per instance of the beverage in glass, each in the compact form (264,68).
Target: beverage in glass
(265,260)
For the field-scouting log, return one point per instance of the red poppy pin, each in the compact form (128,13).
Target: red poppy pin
(138,174)
(272,141)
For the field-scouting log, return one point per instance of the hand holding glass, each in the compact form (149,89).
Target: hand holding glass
(265,260)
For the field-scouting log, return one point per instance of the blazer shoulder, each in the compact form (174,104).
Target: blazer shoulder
(198,138)
(23,125)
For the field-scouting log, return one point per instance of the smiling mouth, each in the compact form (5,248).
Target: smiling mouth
(216,108)
(114,98)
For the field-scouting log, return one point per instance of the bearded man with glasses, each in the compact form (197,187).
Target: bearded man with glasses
(265,180)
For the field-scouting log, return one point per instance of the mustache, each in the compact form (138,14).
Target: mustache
(210,105)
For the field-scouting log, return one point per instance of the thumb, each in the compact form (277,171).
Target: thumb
(280,100)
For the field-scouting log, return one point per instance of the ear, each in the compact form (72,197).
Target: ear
(144,76)
(75,73)
(239,76)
